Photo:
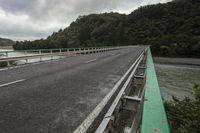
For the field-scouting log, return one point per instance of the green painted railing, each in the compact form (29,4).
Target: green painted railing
(154,118)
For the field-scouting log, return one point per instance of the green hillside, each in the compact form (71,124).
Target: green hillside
(6,42)
(172,29)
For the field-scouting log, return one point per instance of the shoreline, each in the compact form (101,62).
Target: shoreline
(177,61)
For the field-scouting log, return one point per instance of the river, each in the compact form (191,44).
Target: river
(177,80)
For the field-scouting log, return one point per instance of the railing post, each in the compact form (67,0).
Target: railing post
(79,51)
(51,51)
(6,54)
(60,51)
(8,63)
(25,52)
(40,52)
(67,52)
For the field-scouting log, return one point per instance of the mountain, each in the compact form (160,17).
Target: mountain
(172,29)
(6,42)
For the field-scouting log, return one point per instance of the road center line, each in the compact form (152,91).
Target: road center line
(17,81)
(90,61)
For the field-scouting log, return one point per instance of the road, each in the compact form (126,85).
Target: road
(55,97)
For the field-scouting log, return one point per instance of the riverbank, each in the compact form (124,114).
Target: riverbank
(177,61)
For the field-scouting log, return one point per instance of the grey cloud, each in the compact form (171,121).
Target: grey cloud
(18,6)
(39,18)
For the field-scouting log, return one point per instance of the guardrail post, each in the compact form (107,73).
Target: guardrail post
(60,50)
(40,52)
(6,54)
(79,51)
(8,63)
(25,52)
(51,51)
(67,52)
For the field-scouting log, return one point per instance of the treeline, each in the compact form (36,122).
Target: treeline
(172,29)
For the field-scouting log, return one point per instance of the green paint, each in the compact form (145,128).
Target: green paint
(154,118)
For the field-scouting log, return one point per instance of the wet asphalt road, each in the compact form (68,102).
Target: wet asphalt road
(55,97)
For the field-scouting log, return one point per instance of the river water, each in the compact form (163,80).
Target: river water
(177,80)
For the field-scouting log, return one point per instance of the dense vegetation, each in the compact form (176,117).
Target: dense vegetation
(172,29)
(6,42)
(184,115)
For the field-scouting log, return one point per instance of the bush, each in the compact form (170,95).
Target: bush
(184,115)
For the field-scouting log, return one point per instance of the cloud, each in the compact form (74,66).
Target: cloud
(34,19)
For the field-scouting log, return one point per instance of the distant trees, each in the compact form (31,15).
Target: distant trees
(172,29)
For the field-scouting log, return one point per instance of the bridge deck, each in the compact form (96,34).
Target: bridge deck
(154,118)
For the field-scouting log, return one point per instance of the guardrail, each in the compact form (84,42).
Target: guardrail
(32,54)
(109,119)
(40,51)
(135,95)
(117,96)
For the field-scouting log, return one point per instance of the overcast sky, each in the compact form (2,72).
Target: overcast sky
(35,19)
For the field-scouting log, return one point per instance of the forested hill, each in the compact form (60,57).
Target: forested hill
(172,29)
(6,42)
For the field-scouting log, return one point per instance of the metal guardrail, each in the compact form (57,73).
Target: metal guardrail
(122,85)
(137,95)
(109,115)
(32,54)
(40,51)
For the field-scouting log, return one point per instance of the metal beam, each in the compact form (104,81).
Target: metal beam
(154,118)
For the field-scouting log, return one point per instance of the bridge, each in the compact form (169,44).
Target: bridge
(107,89)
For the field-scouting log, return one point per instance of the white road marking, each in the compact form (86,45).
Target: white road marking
(17,81)
(90,61)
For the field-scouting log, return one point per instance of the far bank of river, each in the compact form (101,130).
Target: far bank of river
(177,79)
